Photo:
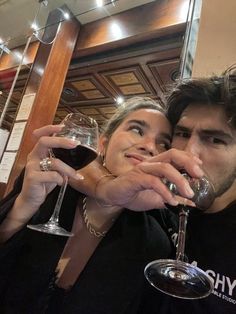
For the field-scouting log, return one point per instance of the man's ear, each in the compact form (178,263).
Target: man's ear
(102,144)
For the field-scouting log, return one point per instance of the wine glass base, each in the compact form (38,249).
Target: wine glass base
(178,279)
(51,229)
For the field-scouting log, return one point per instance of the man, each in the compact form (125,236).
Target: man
(203,114)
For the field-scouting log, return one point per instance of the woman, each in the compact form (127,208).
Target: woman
(100,269)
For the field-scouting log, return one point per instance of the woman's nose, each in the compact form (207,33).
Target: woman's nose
(149,147)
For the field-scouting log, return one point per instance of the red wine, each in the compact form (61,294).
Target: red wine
(77,158)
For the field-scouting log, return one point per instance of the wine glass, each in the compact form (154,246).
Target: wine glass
(83,129)
(176,277)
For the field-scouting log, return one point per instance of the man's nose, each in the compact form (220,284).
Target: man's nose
(193,146)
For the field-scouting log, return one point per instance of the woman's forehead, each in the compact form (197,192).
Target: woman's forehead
(146,113)
(155,119)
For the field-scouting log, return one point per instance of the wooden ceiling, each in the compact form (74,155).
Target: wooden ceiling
(94,83)
(145,63)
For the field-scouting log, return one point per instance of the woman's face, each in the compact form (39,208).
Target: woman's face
(143,134)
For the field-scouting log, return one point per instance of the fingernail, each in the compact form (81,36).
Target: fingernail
(189,191)
(174,202)
(74,143)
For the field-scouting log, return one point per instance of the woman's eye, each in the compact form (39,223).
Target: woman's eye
(136,129)
(166,146)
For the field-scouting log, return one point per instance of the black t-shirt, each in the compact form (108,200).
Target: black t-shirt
(210,244)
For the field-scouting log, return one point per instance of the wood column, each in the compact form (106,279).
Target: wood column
(46,80)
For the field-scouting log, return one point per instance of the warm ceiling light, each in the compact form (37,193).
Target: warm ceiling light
(119,100)
(99,3)
(116,30)
(66,15)
(34,26)
(184,9)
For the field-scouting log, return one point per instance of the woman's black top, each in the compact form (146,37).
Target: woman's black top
(112,281)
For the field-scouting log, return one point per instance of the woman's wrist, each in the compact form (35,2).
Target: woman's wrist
(101,192)
(16,219)
(22,210)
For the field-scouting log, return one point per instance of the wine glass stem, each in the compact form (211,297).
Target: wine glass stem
(180,249)
(55,216)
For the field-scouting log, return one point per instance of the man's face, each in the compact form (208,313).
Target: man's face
(203,130)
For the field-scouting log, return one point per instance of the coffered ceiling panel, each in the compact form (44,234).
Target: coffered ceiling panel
(161,68)
(129,81)
(84,90)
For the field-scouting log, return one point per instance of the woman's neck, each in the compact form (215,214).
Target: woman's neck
(101,217)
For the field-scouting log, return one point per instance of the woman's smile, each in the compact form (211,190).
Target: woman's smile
(135,158)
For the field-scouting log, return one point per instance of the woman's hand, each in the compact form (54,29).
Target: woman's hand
(38,184)
(143,187)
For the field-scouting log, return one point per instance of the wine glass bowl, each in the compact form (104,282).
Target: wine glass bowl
(204,191)
(83,130)
(176,277)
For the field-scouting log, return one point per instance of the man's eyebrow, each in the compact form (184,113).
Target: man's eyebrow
(217,133)
(209,132)
(182,128)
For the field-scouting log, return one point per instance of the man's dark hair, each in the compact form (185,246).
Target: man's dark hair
(216,91)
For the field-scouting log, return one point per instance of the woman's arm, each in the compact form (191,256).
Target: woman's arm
(142,187)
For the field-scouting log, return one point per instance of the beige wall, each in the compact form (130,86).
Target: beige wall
(216,47)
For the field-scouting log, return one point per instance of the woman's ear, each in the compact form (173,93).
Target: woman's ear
(102,145)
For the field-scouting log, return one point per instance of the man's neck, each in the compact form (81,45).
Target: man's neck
(224,200)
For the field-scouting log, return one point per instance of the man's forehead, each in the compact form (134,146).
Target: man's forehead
(200,116)
(200,112)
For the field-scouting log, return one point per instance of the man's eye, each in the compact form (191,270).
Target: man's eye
(215,140)
(182,134)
